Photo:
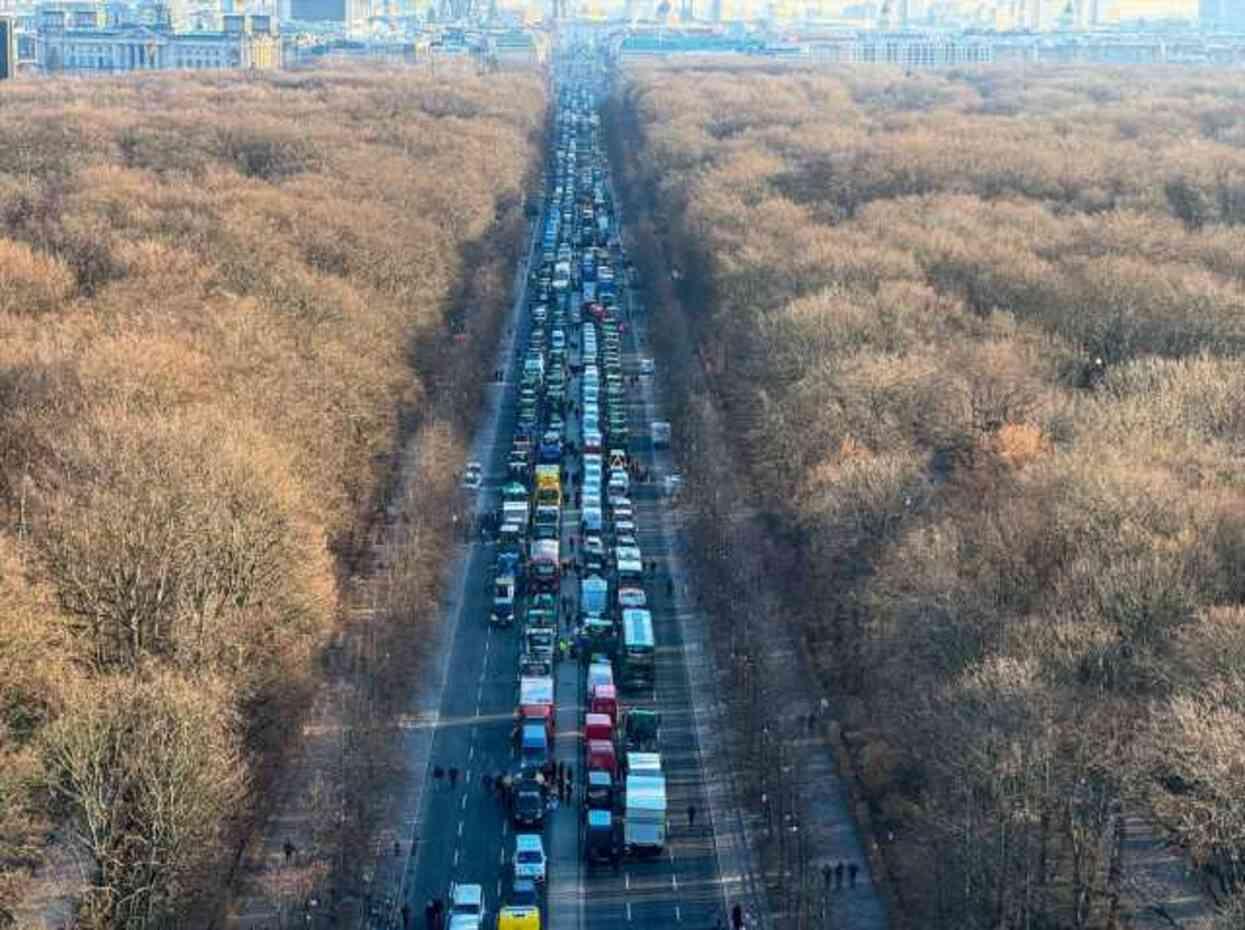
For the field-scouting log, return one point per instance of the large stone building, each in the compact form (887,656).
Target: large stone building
(80,40)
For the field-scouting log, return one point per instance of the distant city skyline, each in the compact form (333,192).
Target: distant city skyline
(1001,14)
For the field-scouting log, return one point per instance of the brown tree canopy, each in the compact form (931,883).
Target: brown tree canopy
(224,300)
(978,338)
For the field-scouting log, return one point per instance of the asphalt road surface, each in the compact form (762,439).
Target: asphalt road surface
(465,835)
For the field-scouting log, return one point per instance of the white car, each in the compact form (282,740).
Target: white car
(467,902)
(473,475)
(529,857)
(646,366)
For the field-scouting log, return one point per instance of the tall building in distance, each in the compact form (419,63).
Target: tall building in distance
(8,47)
(1221,15)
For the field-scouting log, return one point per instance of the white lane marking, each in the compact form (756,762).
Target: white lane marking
(471,751)
(674,880)
(678,915)
(627,880)
(499,889)
(505,827)
(463,806)
(456,858)
(501,856)
(460,828)
(628,912)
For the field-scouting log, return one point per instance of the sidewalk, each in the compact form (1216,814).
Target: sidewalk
(1159,889)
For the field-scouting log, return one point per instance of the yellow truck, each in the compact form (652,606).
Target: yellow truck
(518,918)
(548,486)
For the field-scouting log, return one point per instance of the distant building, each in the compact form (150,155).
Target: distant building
(78,44)
(1222,15)
(906,50)
(8,47)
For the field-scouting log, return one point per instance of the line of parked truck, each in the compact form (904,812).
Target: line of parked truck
(570,474)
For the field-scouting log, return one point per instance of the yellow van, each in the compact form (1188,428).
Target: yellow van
(518,918)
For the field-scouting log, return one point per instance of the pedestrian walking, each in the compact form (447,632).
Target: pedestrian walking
(486,782)
(397,848)
(851,873)
(691,816)
(289,850)
(737,917)
(453,777)
(838,875)
(406,916)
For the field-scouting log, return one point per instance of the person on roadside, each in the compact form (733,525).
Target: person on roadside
(437,774)
(691,816)
(453,777)
(852,869)
(838,875)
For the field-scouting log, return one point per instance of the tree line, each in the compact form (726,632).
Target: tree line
(976,337)
(224,301)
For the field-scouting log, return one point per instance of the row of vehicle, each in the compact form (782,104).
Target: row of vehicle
(623,784)
(585,435)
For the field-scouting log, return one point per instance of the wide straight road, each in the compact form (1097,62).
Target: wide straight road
(464,835)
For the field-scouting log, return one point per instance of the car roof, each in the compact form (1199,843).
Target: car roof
(599,818)
(527,841)
(467,894)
